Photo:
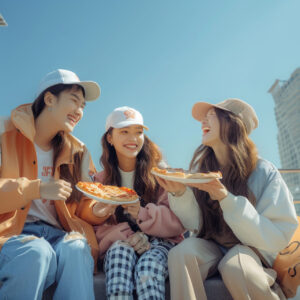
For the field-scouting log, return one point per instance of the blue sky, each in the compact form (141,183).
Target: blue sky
(158,56)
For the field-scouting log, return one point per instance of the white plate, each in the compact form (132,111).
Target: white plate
(183,180)
(106,200)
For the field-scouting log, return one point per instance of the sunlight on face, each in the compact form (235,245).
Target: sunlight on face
(68,109)
(210,129)
(127,141)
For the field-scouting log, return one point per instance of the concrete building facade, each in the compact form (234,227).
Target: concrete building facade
(286,95)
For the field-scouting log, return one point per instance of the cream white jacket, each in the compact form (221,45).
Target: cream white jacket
(268,227)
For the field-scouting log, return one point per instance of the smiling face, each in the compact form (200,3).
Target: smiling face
(127,141)
(66,108)
(211,129)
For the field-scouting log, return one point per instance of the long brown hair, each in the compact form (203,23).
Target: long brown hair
(58,142)
(240,164)
(144,182)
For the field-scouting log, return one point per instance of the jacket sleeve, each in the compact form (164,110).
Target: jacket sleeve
(269,226)
(159,220)
(187,210)
(22,190)
(84,209)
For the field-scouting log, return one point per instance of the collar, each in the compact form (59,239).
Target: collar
(22,118)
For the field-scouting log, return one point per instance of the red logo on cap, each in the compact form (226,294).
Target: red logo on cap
(129,114)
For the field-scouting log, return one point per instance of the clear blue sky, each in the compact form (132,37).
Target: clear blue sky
(158,56)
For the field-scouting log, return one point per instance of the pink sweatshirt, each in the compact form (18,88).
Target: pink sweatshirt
(156,220)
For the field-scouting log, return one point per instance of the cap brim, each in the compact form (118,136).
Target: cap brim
(92,89)
(128,123)
(200,109)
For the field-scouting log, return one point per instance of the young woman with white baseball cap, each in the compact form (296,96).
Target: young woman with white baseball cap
(135,241)
(241,221)
(45,231)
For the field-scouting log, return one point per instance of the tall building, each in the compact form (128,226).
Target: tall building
(2,21)
(286,95)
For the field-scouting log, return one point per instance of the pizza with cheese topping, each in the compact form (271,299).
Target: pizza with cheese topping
(99,191)
(185,176)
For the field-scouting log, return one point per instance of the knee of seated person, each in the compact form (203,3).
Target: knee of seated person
(176,254)
(40,249)
(229,265)
(74,236)
(182,247)
(120,245)
(150,261)
(180,251)
(74,241)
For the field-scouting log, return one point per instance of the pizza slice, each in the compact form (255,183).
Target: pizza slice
(214,175)
(186,174)
(108,192)
(169,172)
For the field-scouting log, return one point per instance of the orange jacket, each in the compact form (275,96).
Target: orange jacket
(19,184)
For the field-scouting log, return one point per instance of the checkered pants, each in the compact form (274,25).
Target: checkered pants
(125,270)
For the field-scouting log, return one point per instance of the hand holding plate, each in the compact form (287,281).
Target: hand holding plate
(173,187)
(215,188)
(101,210)
(132,209)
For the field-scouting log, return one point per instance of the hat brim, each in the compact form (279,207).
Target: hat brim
(200,110)
(128,123)
(92,89)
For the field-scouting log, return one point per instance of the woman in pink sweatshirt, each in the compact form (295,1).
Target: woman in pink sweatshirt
(136,239)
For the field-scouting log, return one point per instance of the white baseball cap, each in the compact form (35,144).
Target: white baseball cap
(60,76)
(124,116)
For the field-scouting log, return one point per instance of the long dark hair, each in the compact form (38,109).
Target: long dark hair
(58,142)
(144,182)
(240,164)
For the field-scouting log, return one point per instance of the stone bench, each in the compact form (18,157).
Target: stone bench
(215,289)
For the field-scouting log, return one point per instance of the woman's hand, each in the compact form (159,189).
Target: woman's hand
(101,210)
(139,242)
(122,232)
(173,187)
(133,209)
(55,190)
(215,189)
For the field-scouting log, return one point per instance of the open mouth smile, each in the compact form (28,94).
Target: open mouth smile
(131,146)
(205,130)
(73,120)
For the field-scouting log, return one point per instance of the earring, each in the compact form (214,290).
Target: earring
(49,108)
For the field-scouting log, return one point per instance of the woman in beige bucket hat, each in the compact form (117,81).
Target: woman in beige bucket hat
(241,221)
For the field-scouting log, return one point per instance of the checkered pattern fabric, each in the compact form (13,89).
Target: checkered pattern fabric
(126,271)
(119,263)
